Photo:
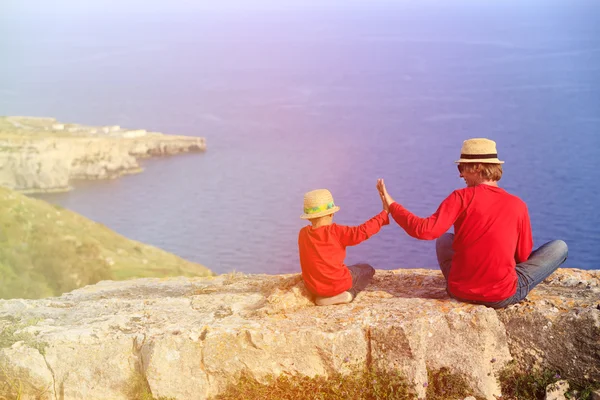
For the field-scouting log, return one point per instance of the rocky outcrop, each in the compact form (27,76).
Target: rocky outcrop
(190,337)
(41,155)
(559,326)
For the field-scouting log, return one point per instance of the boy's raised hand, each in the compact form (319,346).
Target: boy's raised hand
(385,196)
(386,208)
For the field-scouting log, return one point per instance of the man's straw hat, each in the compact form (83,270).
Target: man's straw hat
(318,203)
(479,150)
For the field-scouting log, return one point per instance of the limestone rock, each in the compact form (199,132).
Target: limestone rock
(559,324)
(191,337)
(24,370)
(89,367)
(172,363)
(557,390)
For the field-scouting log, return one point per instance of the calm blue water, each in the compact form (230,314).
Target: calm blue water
(296,98)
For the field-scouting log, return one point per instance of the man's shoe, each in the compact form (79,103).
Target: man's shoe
(342,298)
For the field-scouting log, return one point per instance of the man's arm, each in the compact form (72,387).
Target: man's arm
(524,240)
(431,227)
(353,235)
(424,228)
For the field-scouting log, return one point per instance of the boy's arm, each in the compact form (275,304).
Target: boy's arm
(353,235)
(435,225)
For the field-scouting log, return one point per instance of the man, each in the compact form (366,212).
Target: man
(488,259)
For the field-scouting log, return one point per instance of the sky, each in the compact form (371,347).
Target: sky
(75,7)
(35,9)
(12,8)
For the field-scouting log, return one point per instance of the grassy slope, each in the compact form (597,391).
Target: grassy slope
(9,131)
(31,128)
(46,250)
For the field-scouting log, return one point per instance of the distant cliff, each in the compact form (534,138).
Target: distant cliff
(43,155)
(188,338)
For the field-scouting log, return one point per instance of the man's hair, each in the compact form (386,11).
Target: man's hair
(490,172)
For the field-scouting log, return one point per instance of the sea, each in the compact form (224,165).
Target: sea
(300,95)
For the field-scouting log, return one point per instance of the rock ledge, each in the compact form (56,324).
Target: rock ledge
(190,337)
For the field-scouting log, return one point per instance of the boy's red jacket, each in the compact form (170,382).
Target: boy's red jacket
(323,250)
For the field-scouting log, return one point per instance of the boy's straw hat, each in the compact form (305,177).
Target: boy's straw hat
(318,203)
(479,150)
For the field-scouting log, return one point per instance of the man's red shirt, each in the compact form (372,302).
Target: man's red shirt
(323,250)
(492,233)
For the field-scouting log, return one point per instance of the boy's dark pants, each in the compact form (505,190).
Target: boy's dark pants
(362,274)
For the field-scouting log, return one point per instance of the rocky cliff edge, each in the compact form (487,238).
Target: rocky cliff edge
(190,337)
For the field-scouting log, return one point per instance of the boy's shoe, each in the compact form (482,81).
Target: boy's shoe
(342,298)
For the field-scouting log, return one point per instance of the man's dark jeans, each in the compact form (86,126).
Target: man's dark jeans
(540,264)
(362,274)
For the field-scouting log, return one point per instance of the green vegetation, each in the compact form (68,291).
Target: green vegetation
(525,385)
(444,385)
(362,385)
(139,389)
(530,384)
(584,390)
(46,250)
(11,333)
(516,384)
(29,128)
(10,388)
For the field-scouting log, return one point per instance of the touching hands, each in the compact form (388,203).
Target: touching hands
(386,199)
(386,208)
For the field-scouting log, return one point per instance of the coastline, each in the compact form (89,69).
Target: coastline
(42,155)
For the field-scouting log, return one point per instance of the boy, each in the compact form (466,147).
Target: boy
(322,247)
